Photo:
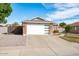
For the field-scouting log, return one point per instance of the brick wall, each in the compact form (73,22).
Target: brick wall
(24,28)
(50,29)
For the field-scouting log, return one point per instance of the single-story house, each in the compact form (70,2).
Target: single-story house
(37,26)
(75,27)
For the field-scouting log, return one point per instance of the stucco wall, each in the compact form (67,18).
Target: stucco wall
(3,29)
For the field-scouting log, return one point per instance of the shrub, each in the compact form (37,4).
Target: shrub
(68,28)
(56,31)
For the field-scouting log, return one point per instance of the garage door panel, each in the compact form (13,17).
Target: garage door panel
(36,29)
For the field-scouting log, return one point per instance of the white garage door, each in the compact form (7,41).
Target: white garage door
(37,29)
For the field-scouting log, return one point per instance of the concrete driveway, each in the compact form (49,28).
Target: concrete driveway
(9,40)
(43,45)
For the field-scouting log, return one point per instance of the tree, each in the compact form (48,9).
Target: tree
(68,28)
(15,24)
(62,24)
(5,11)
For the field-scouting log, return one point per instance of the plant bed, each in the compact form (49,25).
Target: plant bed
(56,32)
(71,38)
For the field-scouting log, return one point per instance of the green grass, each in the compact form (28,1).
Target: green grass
(71,37)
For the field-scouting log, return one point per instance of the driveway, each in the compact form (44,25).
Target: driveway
(11,40)
(43,45)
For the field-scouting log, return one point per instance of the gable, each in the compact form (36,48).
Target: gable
(37,19)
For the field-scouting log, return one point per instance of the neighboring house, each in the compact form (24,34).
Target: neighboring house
(37,26)
(3,28)
(57,27)
(75,27)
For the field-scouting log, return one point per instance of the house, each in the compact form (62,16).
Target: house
(37,26)
(75,27)
(57,27)
(3,28)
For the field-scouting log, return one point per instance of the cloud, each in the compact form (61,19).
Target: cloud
(63,6)
(60,6)
(49,18)
(65,14)
(63,11)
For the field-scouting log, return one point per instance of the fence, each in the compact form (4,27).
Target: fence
(3,29)
(15,29)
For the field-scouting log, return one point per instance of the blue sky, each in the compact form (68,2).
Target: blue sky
(56,12)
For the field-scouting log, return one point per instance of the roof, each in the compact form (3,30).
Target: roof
(75,24)
(36,20)
(3,24)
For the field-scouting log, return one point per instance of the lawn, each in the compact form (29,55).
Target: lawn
(71,37)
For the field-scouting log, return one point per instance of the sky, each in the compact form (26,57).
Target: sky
(55,12)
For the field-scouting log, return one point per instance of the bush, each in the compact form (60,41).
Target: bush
(56,31)
(68,28)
